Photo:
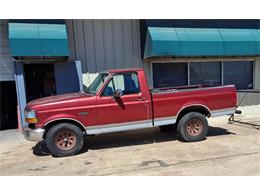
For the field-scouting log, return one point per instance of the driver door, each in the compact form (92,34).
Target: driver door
(128,111)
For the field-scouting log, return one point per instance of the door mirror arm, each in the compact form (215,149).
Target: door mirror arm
(118,93)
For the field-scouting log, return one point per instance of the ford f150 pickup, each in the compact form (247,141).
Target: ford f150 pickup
(120,100)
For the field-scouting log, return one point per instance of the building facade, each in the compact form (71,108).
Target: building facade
(40,58)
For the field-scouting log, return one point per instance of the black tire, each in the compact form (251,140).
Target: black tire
(193,127)
(64,139)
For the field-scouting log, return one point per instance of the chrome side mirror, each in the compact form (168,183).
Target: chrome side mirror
(118,93)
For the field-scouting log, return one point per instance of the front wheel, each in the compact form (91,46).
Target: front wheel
(64,139)
(193,127)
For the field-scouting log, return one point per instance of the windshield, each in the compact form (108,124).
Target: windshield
(97,83)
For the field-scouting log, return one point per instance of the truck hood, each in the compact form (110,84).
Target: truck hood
(58,98)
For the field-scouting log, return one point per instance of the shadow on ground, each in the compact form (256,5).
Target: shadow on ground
(252,124)
(122,139)
(40,149)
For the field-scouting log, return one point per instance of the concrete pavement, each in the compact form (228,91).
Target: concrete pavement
(230,149)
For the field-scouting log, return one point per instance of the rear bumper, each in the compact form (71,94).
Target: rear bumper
(34,135)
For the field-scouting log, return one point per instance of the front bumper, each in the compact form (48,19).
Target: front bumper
(34,135)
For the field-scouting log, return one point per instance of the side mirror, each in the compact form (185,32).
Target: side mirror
(118,93)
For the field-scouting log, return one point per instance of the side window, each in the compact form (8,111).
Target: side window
(127,82)
(131,83)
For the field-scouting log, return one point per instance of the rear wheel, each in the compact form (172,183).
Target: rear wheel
(193,127)
(64,139)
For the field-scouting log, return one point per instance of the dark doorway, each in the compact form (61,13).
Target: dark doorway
(39,81)
(8,105)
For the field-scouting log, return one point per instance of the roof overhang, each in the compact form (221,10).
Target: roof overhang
(36,41)
(201,42)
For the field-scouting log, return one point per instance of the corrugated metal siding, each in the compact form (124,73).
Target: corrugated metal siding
(6,62)
(105,44)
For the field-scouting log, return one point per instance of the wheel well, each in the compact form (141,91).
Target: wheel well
(51,124)
(201,109)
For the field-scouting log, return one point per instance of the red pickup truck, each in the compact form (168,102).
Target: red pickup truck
(120,100)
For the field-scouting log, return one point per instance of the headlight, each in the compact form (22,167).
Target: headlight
(30,116)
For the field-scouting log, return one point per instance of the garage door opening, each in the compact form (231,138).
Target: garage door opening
(8,105)
(39,81)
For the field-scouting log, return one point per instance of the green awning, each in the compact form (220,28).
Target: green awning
(41,40)
(198,42)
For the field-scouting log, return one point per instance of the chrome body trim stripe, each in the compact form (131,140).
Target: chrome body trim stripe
(117,127)
(164,121)
(222,112)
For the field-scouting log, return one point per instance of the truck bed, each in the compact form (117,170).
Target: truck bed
(169,102)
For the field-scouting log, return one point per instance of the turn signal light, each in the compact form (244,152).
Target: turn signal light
(30,116)
(31,120)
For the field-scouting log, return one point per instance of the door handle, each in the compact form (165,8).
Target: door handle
(140,99)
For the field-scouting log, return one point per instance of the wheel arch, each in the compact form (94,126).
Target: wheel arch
(51,123)
(193,108)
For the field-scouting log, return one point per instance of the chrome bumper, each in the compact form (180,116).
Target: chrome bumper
(34,135)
